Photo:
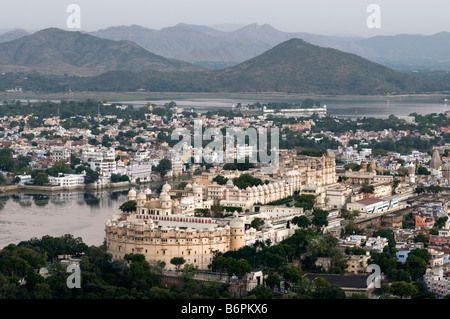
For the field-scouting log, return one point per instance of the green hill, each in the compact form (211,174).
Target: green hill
(297,66)
(58,52)
(293,66)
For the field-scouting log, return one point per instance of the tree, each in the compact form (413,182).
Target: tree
(368,189)
(320,218)
(257,223)
(385,260)
(386,233)
(423,171)
(349,215)
(91,176)
(324,290)
(58,168)
(246,180)
(440,223)
(221,180)
(128,206)
(306,201)
(416,266)
(301,221)
(189,271)
(216,208)
(403,289)
(291,274)
(163,167)
(434,189)
(421,238)
(419,190)
(261,292)
(177,262)
(41,178)
(138,274)
(272,281)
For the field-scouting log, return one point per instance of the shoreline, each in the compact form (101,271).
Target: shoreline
(58,189)
(143,96)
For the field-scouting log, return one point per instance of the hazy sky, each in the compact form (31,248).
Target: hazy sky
(331,17)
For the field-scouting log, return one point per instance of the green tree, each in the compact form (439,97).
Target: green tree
(292,275)
(434,189)
(440,223)
(163,167)
(403,289)
(306,201)
(41,178)
(261,292)
(272,281)
(320,218)
(246,180)
(368,189)
(221,180)
(128,206)
(59,168)
(415,266)
(177,262)
(301,221)
(423,171)
(138,273)
(324,290)
(91,176)
(257,223)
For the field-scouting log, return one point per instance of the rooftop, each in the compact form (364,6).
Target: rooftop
(369,201)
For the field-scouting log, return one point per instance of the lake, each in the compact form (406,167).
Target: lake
(26,215)
(351,106)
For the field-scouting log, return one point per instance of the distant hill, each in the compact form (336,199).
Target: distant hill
(58,52)
(294,66)
(13,35)
(204,45)
(407,51)
(298,66)
(211,47)
(192,43)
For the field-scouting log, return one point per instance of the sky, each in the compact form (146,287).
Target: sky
(328,17)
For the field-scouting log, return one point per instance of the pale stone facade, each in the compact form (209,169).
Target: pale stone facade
(143,236)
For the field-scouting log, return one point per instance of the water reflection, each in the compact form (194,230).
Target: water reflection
(3,201)
(80,213)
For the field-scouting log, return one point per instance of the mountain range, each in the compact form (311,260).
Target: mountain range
(58,52)
(213,48)
(206,46)
(54,59)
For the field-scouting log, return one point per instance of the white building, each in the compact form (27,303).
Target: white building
(92,153)
(135,170)
(59,154)
(436,282)
(105,167)
(376,244)
(67,180)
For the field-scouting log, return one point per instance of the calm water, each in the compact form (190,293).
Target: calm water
(380,107)
(24,215)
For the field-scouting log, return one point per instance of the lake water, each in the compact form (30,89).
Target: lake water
(24,215)
(379,107)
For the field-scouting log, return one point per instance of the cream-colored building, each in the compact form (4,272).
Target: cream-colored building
(357,264)
(313,170)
